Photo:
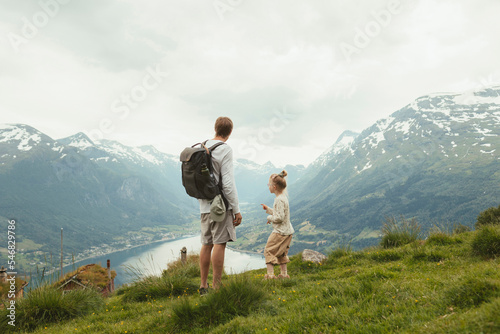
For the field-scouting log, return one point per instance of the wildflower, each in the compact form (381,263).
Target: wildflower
(416,301)
(330,306)
(159,311)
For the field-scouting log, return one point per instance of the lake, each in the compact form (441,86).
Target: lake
(153,259)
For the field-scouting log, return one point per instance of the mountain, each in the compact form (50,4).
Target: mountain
(252,178)
(162,170)
(97,192)
(435,159)
(342,144)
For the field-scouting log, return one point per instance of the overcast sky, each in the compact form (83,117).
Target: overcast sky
(292,75)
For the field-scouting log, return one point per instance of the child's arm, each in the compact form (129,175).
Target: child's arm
(269,211)
(278,213)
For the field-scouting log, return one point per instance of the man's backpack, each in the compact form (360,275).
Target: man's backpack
(197,172)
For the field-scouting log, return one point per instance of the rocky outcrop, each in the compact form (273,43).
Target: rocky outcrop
(313,256)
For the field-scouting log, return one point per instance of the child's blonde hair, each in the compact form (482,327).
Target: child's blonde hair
(279,180)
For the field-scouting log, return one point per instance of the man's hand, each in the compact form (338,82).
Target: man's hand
(237,219)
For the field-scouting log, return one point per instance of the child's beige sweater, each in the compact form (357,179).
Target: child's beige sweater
(279,216)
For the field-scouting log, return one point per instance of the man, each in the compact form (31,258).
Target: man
(215,235)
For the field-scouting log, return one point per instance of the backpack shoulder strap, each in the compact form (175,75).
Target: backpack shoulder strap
(213,147)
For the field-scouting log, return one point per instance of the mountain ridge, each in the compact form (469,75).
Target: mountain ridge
(433,135)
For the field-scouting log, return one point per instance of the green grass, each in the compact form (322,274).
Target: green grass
(434,286)
(486,243)
(395,234)
(47,305)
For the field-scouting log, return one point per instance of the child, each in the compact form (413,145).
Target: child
(278,244)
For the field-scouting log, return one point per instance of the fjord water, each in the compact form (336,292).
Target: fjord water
(154,258)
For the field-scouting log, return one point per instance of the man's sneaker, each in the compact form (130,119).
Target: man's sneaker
(204,291)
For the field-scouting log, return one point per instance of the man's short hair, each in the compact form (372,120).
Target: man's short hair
(223,127)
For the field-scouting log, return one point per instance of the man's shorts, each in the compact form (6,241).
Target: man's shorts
(217,232)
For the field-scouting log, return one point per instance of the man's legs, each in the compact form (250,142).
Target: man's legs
(218,263)
(205,254)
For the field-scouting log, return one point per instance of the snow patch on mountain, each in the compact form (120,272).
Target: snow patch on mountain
(488,152)
(343,143)
(81,144)
(18,133)
(115,148)
(146,156)
(367,166)
(58,149)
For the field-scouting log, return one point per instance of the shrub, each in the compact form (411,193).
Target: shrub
(489,216)
(460,228)
(486,242)
(239,297)
(190,269)
(472,292)
(440,239)
(152,287)
(396,234)
(342,250)
(47,304)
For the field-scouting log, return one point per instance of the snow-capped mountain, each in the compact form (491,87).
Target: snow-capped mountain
(331,157)
(95,191)
(435,159)
(343,143)
(16,141)
(98,190)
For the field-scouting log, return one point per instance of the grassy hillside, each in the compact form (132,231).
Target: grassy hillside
(438,285)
